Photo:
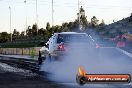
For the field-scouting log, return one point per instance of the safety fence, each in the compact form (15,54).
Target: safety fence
(32,51)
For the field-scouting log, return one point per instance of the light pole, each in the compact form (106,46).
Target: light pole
(79,12)
(25,16)
(79,15)
(10,23)
(52,13)
(37,14)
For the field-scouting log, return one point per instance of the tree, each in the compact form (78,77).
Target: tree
(102,23)
(57,28)
(4,37)
(29,31)
(75,26)
(15,34)
(48,26)
(22,33)
(70,26)
(41,31)
(49,29)
(94,21)
(34,29)
(83,20)
(65,27)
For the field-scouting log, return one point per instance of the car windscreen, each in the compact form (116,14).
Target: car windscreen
(73,38)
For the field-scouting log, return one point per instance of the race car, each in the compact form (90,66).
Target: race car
(60,43)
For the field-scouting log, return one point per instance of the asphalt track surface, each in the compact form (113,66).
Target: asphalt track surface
(14,74)
(24,76)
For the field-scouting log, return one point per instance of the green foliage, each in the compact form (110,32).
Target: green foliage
(65,27)
(57,28)
(4,37)
(15,34)
(29,31)
(41,32)
(22,33)
(102,23)
(34,29)
(94,21)
(83,18)
(48,26)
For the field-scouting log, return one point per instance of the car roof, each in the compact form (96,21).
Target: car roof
(76,33)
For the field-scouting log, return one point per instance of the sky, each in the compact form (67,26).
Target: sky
(64,11)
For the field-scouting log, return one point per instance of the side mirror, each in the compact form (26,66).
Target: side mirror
(46,45)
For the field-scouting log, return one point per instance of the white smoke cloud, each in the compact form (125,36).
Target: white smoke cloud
(106,60)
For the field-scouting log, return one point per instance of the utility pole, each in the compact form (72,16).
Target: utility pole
(37,14)
(52,13)
(10,23)
(79,25)
(52,16)
(79,12)
(79,21)
(25,16)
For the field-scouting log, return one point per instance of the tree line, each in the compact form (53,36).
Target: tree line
(80,24)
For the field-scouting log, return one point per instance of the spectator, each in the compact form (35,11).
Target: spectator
(121,40)
(40,59)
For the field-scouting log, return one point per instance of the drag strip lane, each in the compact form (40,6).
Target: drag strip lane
(21,63)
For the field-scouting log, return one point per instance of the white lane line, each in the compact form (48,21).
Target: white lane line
(125,52)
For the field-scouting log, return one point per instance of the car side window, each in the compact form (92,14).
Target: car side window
(54,39)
